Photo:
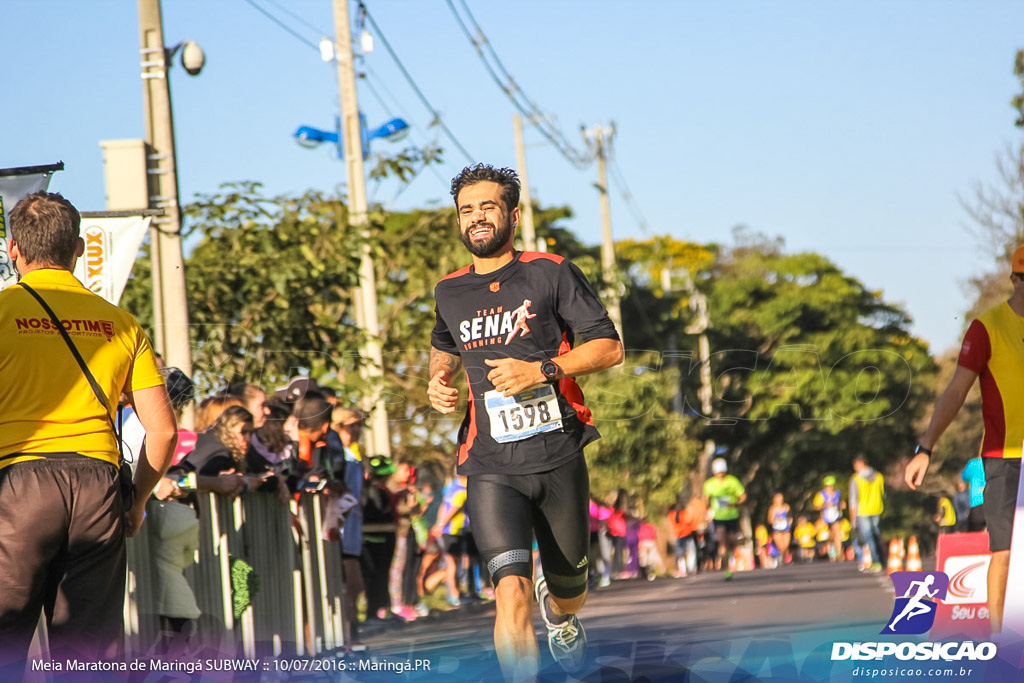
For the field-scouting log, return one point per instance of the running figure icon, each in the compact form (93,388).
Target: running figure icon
(915,606)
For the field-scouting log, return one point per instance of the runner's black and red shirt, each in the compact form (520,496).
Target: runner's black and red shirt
(531,309)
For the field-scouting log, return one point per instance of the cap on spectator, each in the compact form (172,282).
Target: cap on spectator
(179,387)
(296,389)
(382,466)
(718,465)
(829,480)
(1017,263)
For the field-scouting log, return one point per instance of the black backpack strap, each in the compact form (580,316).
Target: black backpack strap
(96,388)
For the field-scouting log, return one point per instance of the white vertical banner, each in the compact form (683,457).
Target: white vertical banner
(15,183)
(111,245)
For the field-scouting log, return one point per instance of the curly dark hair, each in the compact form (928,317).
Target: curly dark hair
(506,177)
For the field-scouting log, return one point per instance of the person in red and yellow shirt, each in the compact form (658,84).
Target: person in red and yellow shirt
(64,520)
(992,353)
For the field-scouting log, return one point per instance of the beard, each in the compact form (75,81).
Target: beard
(500,235)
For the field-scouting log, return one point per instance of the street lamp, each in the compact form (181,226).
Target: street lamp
(392,130)
(366,295)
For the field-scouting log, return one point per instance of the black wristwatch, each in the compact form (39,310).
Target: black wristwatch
(922,449)
(550,370)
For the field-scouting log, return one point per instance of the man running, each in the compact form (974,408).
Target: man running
(521,442)
(991,353)
(723,494)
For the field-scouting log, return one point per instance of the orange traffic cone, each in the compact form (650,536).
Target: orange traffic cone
(895,563)
(914,563)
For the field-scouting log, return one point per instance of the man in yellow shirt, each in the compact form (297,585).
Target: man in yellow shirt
(63,518)
(991,355)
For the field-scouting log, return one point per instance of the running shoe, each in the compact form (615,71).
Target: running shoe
(567,640)
(875,568)
(728,575)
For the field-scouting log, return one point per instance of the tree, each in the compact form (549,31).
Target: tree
(809,369)
(269,284)
(644,446)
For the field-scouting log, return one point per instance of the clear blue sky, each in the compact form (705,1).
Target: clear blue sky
(850,129)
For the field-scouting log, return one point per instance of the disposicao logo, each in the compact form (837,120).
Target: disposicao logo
(916,593)
(914,613)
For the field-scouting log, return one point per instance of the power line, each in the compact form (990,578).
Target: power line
(627,196)
(284,26)
(436,120)
(508,85)
(294,16)
(412,83)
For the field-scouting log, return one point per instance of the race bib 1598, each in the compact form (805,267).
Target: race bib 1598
(528,413)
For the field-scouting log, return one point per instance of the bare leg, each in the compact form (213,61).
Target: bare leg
(562,606)
(998,569)
(514,639)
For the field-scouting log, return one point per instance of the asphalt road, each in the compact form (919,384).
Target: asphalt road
(763,625)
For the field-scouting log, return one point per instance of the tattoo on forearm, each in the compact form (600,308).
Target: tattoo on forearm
(439,360)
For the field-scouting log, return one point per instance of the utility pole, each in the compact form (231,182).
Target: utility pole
(699,305)
(602,138)
(170,308)
(529,237)
(378,439)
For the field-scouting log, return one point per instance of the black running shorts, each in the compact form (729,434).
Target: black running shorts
(1001,477)
(508,510)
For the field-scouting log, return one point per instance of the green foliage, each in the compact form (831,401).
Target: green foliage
(644,447)
(270,285)
(810,368)
(415,250)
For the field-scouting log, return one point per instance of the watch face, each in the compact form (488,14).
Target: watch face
(549,369)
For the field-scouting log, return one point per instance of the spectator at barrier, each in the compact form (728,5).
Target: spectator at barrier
(222,449)
(253,398)
(780,520)
(346,428)
(271,445)
(210,408)
(380,524)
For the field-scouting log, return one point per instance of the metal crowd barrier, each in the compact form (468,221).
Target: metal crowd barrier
(296,609)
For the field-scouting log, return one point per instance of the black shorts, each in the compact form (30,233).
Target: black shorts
(1001,478)
(455,545)
(509,510)
(726,527)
